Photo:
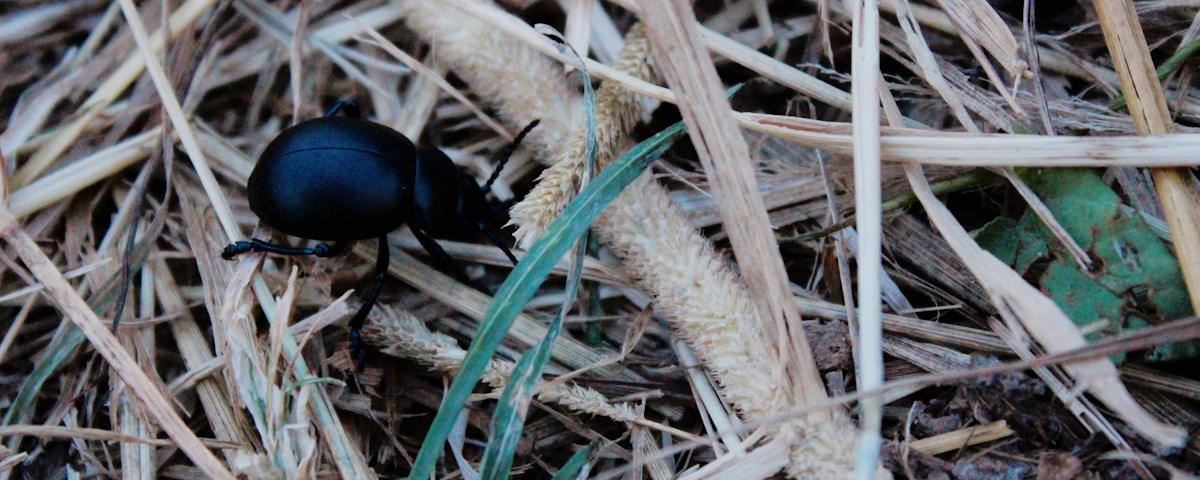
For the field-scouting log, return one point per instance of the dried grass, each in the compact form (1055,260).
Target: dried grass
(698,366)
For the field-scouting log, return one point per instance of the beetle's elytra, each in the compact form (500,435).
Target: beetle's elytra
(335,178)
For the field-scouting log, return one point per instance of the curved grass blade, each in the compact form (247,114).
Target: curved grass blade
(528,275)
(508,422)
(509,419)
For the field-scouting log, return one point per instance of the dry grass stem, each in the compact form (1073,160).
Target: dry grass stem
(900,172)
(715,413)
(1177,190)
(723,152)
(178,119)
(977,20)
(63,183)
(1020,305)
(105,94)
(399,334)
(1181,386)
(987,150)
(956,440)
(76,310)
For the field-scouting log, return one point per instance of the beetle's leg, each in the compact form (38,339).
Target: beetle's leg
(348,106)
(256,245)
(360,317)
(441,259)
(487,232)
(501,206)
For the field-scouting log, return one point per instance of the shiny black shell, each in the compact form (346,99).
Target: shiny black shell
(335,178)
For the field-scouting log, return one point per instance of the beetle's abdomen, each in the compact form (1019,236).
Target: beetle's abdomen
(334,178)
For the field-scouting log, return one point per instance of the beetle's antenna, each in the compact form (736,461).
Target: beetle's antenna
(508,151)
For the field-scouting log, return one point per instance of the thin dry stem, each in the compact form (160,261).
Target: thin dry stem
(867,191)
(1021,304)
(398,333)
(1177,189)
(78,311)
(724,154)
(987,150)
(956,440)
(84,112)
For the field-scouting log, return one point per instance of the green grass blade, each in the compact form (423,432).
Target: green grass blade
(528,275)
(571,469)
(508,421)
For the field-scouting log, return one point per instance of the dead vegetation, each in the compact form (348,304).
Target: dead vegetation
(919,175)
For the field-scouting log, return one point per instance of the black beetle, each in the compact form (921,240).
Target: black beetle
(344,178)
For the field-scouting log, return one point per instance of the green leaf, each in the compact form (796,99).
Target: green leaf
(1085,302)
(996,237)
(1136,280)
(1017,243)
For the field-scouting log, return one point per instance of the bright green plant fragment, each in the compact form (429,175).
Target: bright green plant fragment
(1135,280)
